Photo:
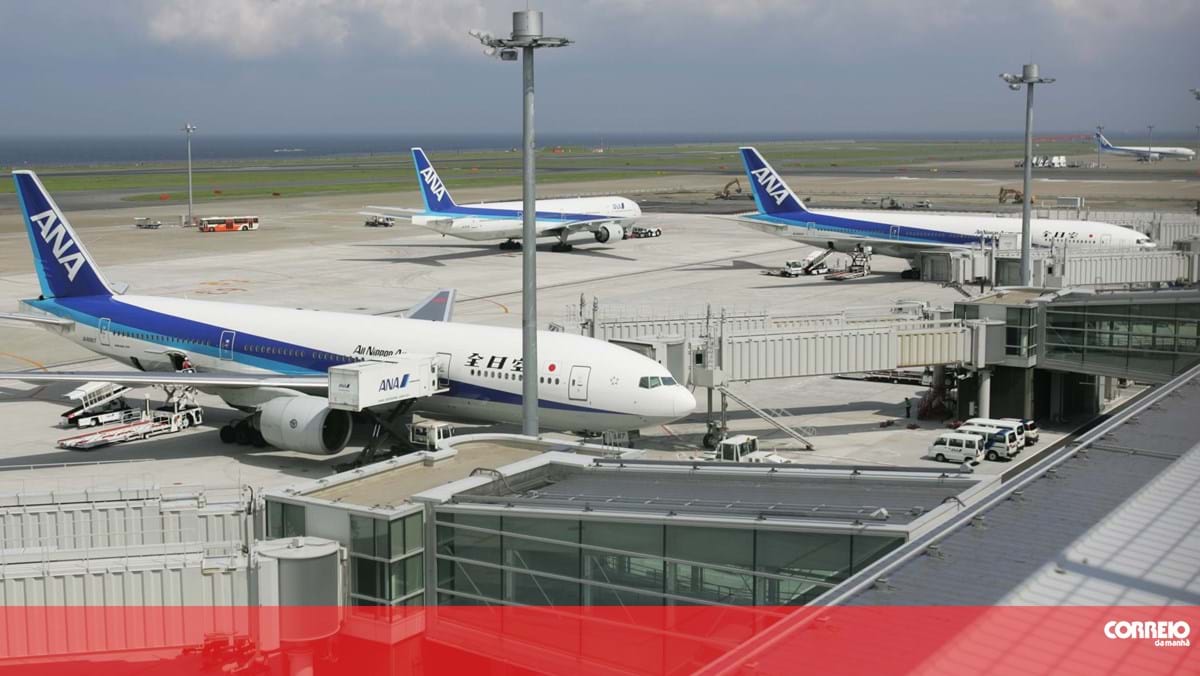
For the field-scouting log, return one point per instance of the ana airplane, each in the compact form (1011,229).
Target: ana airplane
(901,235)
(1147,152)
(273,362)
(605,217)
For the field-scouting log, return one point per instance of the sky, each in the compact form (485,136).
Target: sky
(653,66)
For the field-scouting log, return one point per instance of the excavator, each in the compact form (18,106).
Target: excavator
(726,194)
(1011,195)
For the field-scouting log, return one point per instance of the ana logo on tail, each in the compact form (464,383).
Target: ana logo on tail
(55,234)
(434,182)
(772,184)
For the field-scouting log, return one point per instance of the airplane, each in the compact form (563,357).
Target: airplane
(902,235)
(605,217)
(272,362)
(1148,153)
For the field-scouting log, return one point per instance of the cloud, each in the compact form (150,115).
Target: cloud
(254,29)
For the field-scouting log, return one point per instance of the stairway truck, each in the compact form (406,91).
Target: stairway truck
(365,384)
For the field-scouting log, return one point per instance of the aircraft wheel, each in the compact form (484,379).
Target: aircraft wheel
(709,441)
(242,433)
(562,248)
(257,440)
(227,434)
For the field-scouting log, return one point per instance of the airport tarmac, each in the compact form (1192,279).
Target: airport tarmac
(315,253)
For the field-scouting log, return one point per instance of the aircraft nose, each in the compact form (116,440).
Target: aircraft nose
(685,402)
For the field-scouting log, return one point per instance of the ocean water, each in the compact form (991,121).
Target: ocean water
(83,150)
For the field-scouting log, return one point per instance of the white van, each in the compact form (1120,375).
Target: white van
(1031,429)
(1004,424)
(998,443)
(957,447)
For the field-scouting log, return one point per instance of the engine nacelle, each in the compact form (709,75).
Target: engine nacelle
(609,231)
(305,424)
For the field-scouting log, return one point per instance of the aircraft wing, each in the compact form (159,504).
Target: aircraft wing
(589,225)
(144,378)
(438,307)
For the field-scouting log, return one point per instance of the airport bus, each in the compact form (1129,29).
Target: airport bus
(227,223)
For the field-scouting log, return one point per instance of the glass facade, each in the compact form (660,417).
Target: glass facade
(386,561)
(1020,331)
(1159,338)
(284,520)
(535,561)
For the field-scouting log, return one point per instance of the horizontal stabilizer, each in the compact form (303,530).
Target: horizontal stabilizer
(44,320)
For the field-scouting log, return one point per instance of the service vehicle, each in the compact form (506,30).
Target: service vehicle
(142,425)
(638,232)
(1032,435)
(999,443)
(227,224)
(380,222)
(1004,423)
(428,433)
(743,448)
(958,447)
(147,223)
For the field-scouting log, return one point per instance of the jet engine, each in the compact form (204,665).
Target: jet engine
(305,424)
(609,231)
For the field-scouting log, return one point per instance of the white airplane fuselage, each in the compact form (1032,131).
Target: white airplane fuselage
(501,220)
(584,383)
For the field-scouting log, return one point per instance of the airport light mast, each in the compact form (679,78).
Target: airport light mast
(526,36)
(1028,77)
(1149,141)
(189,128)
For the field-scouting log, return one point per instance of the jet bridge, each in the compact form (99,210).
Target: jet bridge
(741,346)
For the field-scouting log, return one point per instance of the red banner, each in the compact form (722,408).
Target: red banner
(152,640)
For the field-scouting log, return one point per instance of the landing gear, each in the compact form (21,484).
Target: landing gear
(510,245)
(242,433)
(562,245)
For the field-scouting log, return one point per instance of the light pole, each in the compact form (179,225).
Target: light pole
(1100,131)
(1028,77)
(1149,142)
(189,128)
(526,36)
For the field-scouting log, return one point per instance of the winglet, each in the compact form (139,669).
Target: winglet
(64,267)
(439,307)
(433,191)
(771,193)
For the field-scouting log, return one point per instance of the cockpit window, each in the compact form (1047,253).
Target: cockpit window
(667,380)
(649,382)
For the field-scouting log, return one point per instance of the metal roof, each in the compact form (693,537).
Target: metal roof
(729,491)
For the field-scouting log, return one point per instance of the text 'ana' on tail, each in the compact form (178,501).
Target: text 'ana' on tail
(64,267)
(771,193)
(433,191)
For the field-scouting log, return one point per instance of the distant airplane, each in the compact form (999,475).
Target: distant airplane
(605,217)
(904,235)
(1147,152)
(273,362)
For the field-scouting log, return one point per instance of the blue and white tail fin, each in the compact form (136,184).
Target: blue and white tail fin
(64,267)
(1103,142)
(433,191)
(771,194)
